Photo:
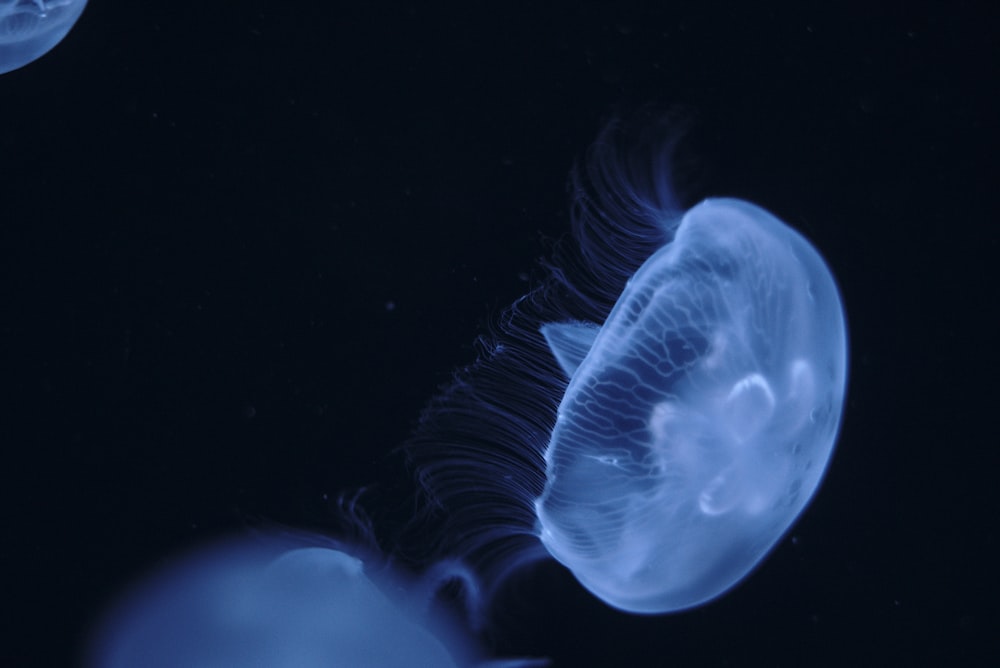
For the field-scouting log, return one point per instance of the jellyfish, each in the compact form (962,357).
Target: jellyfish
(31,28)
(654,415)
(699,419)
(660,409)
(272,600)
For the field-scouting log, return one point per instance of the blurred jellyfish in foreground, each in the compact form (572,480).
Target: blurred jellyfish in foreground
(31,28)
(262,602)
(705,354)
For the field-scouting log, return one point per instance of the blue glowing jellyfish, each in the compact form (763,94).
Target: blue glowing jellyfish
(699,415)
(31,28)
(266,602)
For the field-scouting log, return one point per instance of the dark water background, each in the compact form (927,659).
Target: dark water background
(242,244)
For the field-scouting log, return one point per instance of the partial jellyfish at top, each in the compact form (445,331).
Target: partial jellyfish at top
(31,28)
(661,409)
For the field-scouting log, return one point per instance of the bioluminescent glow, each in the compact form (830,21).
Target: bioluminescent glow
(31,28)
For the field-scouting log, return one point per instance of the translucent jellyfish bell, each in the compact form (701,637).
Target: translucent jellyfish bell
(31,28)
(698,421)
